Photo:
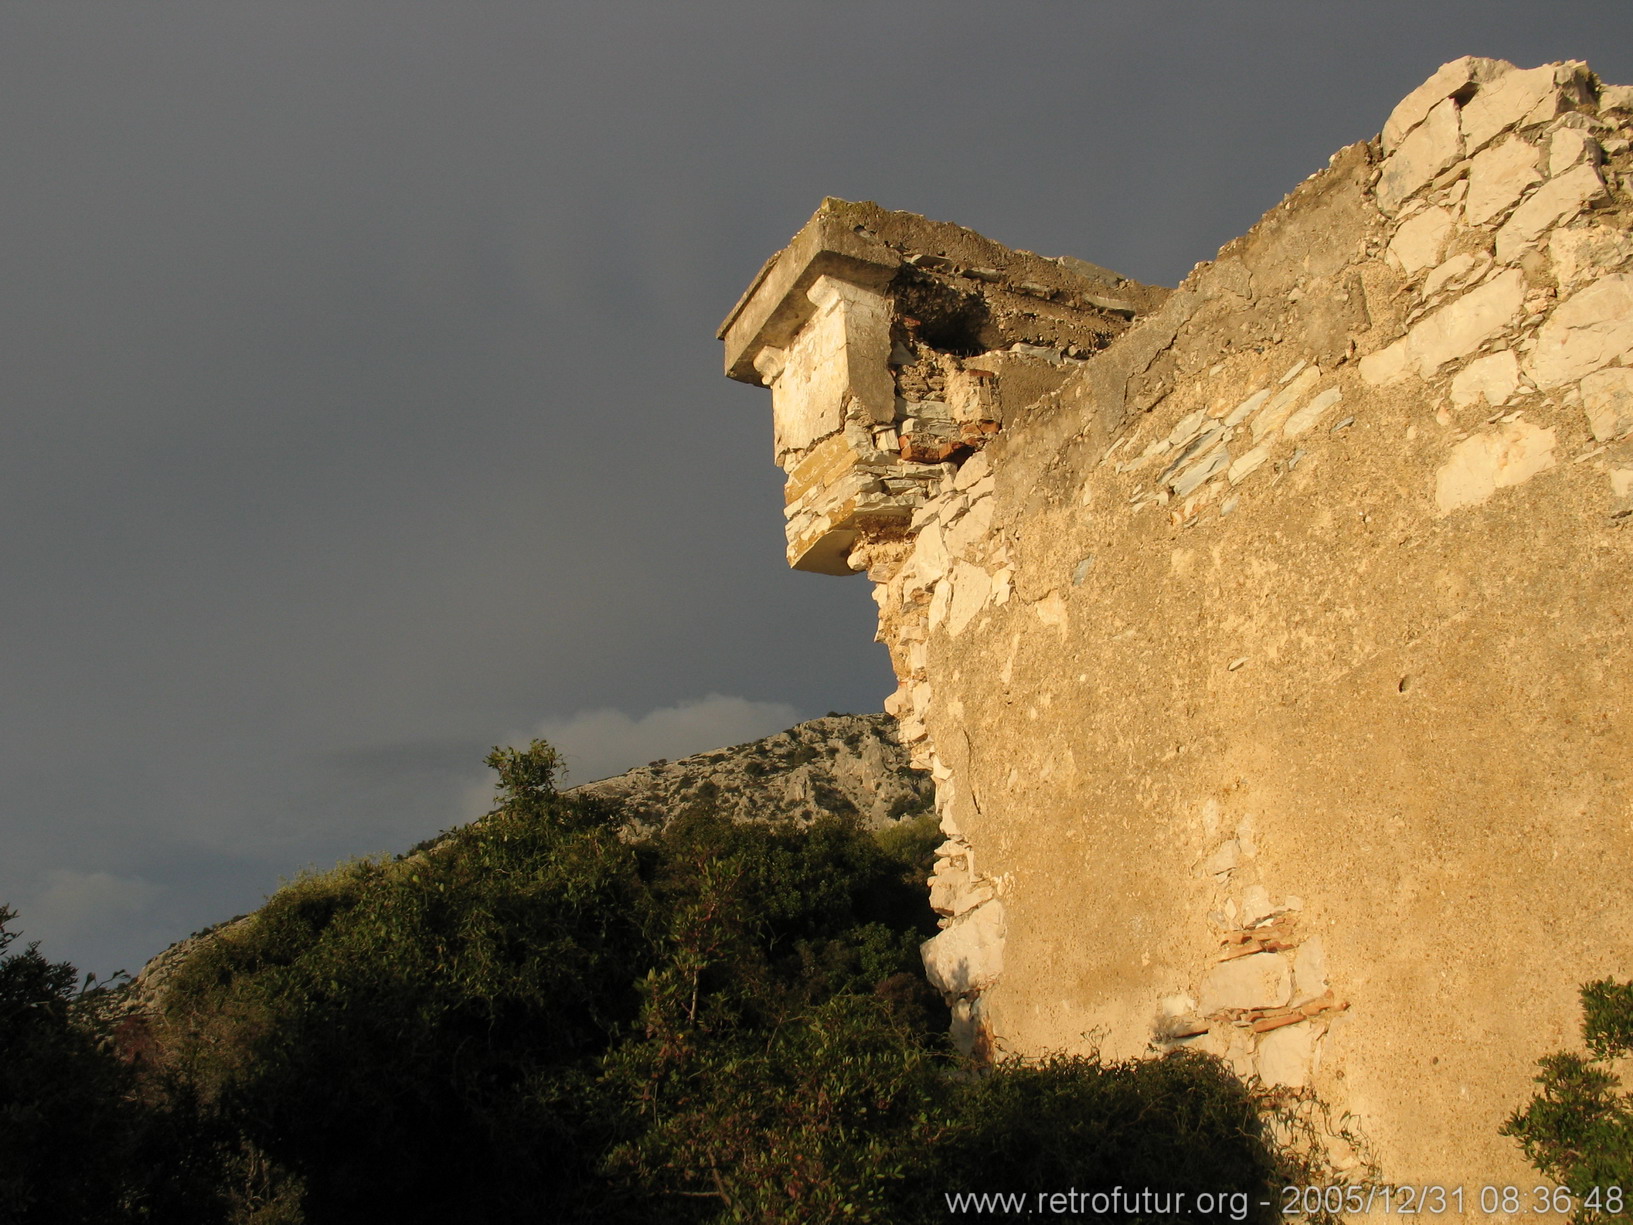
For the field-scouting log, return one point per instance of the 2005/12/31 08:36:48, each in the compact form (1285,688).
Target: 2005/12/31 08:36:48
(1432,1200)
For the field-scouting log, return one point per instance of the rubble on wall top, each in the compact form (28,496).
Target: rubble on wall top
(868,245)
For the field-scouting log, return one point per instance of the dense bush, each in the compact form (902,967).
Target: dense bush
(419,1038)
(1579,1128)
(59,1095)
(81,1138)
(788,1041)
(1180,1124)
(543,1016)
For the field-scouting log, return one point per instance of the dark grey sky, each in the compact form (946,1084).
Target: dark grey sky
(362,407)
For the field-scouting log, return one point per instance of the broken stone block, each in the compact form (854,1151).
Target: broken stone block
(1492,378)
(1230,1044)
(1506,102)
(971,587)
(838,355)
(1498,177)
(1448,79)
(1607,399)
(1247,408)
(1279,409)
(1570,145)
(953,893)
(1429,148)
(1491,460)
(940,600)
(972,394)
(971,529)
(1225,859)
(1309,970)
(1188,428)
(1582,252)
(1203,442)
(1588,330)
(968,955)
(1311,413)
(1287,1056)
(1200,472)
(976,468)
(1464,324)
(1457,268)
(969,1030)
(1556,201)
(1420,239)
(1256,905)
(1387,364)
(1260,980)
(954,852)
(1247,464)
(930,558)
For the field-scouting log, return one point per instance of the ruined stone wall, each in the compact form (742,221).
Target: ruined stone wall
(1267,640)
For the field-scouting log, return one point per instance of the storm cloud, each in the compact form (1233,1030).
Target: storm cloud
(362,408)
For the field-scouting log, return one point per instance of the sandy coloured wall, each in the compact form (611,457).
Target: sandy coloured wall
(1271,653)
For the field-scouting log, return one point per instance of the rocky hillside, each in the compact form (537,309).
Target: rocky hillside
(839,764)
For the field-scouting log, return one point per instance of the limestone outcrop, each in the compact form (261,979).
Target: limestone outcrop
(1267,639)
(844,765)
(839,765)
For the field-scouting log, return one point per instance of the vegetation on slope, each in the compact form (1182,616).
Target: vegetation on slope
(544,1016)
(83,1136)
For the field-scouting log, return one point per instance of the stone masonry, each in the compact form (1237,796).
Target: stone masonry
(866,329)
(1267,639)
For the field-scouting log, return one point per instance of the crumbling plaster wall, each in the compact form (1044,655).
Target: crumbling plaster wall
(1272,661)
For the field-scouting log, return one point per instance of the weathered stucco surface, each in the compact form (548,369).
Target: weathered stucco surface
(1267,639)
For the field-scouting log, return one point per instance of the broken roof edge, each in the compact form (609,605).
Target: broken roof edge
(867,244)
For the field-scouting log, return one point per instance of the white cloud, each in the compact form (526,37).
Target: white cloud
(71,905)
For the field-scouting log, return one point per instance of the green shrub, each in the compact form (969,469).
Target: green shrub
(912,842)
(450,1033)
(819,1117)
(1579,1128)
(547,1016)
(1179,1124)
(82,1137)
(788,1036)
(410,1040)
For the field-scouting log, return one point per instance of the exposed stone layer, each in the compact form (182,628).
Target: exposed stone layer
(845,765)
(1271,656)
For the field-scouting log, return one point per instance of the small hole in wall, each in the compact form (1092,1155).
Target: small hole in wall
(947,319)
(1406,683)
(952,336)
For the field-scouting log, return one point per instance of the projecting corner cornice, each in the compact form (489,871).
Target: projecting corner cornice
(776,304)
